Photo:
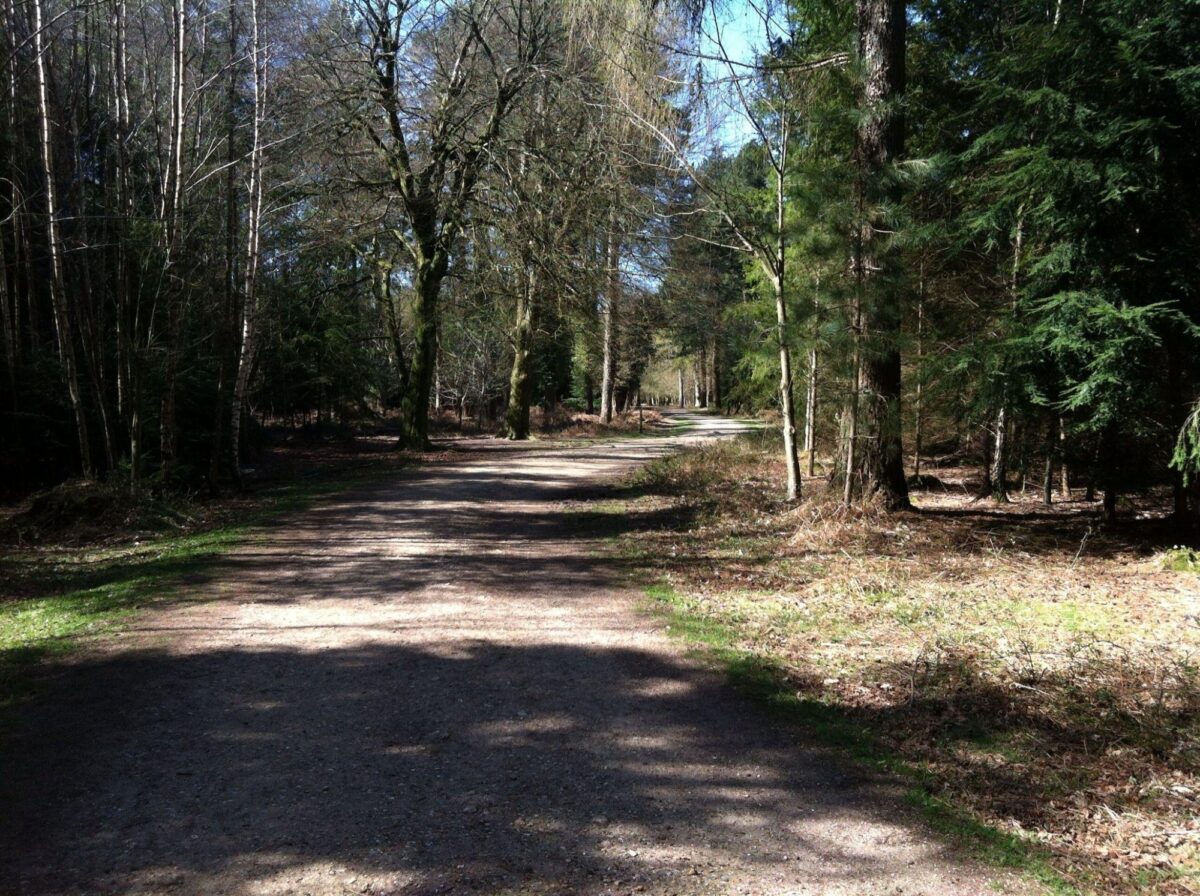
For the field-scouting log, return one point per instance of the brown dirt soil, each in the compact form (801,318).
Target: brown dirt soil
(435,684)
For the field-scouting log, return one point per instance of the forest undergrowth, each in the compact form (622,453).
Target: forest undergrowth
(1033,670)
(79,559)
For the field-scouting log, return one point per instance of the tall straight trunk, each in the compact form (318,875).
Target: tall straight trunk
(63,324)
(918,404)
(129,396)
(612,298)
(90,314)
(7,320)
(251,262)
(810,411)
(999,471)
(851,413)
(810,388)
(10,295)
(224,338)
(791,458)
(714,376)
(1064,471)
(879,144)
(1000,452)
(170,213)
(520,386)
(1048,472)
(682,393)
(437,375)
(787,406)
(414,403)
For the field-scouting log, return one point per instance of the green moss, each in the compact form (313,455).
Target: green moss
(1181,559)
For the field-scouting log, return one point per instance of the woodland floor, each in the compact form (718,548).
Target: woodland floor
(432,682)
(1028,667)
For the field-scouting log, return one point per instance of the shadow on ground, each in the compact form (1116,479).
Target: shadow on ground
(339,724)
(475,767)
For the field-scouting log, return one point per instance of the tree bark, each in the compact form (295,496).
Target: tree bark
(1048,473)
(879,144)
(999,471)
(520,386)
(918,406)
(1064,472)
(249,297)
(63,324)
(714,379)
(611,302)
(414,404)
(786,404)
(224,336)
(168,436)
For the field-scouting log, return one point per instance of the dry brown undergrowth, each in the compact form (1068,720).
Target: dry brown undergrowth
(1041,666)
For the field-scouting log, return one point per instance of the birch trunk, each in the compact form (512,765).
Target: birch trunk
(63,324)
(611,303)
(252,259)
(170,213)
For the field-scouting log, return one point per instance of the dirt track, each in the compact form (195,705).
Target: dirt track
(435,685)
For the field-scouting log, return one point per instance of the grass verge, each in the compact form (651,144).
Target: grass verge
(56,597)
(1030,672)
(767,682)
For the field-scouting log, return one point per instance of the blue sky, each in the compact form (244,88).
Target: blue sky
(743,35)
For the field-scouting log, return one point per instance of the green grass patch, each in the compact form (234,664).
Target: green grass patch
(1181,559)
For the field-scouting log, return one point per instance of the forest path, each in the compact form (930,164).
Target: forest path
(434,684)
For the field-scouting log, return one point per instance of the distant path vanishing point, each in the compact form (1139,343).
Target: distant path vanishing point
(436,684)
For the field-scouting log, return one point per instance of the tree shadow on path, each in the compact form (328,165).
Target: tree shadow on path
(341,725)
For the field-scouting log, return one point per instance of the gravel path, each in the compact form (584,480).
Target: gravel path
(435,685)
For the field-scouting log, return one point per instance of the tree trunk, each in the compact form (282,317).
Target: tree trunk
(918,407)
(414,402)
(786,405)
(249,296)
(879,144)
(714,380)
(850,414)
(1064,470)
(1000,455)
(63,325)
(224,337)
(810,412)
(520,390)
(682,393)
(611,301)
(999,472)
(437,377)
(170,214)
(1048,472)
